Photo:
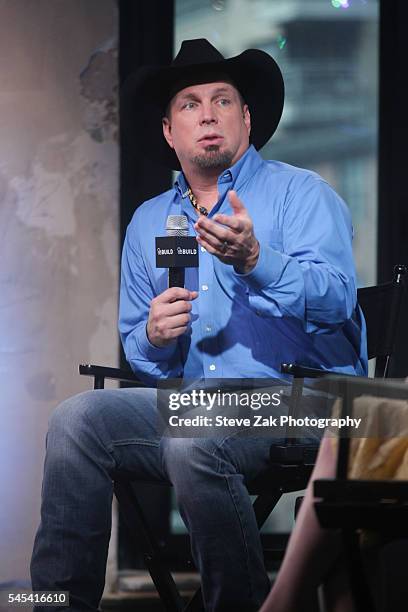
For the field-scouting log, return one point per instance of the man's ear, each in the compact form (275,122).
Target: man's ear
(167,131)
(247,117)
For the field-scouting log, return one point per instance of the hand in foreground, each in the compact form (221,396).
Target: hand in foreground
(231,238)
(169,315)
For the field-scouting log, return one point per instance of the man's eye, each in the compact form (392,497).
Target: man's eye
(224,101)
(188,105)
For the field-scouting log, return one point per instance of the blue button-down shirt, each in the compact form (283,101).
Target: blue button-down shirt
(297,305)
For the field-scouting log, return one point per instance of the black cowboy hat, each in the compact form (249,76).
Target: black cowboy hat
(147,92)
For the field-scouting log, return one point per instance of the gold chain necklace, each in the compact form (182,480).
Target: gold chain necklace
(194,203)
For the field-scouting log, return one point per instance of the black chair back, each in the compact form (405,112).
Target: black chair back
(381,306)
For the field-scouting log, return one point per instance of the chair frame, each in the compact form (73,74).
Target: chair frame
(292,464)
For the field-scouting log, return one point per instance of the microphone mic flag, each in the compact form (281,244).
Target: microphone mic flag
(177,250)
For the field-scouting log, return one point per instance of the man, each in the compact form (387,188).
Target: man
(276,282)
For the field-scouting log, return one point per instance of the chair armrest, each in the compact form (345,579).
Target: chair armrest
(355,491)
(299,371)
(377,505)
(102,372)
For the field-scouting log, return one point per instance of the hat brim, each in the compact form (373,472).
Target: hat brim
(144,94)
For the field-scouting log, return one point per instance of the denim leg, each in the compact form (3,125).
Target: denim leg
(99,435)
(209,478)
(92,437)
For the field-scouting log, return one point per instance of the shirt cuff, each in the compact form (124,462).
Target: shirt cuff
(154,353)
(268,268)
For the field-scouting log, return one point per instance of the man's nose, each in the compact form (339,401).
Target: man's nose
(208,114)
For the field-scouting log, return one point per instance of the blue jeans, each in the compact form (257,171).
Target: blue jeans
(97,435)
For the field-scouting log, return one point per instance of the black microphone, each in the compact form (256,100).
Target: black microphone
(177,250)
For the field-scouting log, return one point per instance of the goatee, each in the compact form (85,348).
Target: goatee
(213,158)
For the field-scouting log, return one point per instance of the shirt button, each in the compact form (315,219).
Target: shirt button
(203,250)
(208,328)
(212,367)
(204,287)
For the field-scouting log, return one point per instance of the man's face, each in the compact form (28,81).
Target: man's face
(207,126)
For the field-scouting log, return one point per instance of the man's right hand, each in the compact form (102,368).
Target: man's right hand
(169,315)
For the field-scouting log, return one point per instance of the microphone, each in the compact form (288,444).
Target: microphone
(177,250)
(176,225)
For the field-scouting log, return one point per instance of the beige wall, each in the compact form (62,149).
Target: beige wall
(58,233)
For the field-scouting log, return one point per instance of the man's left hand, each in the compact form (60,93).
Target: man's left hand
(230,238)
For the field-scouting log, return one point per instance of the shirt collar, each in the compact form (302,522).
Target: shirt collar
(237,175)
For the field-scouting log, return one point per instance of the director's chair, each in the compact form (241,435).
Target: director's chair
(291,463)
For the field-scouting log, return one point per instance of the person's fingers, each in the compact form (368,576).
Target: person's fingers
(209,247)
(176,332)
(220,246)
(211,230)
(233,223)
(175,293)
(237,205)
(176,308)
(181,320)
